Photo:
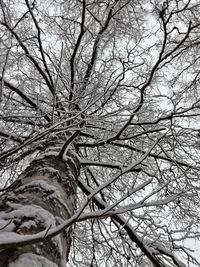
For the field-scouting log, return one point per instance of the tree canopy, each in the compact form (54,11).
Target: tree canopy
(117,82)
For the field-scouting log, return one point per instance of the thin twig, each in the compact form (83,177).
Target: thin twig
(56,82)
(3,74)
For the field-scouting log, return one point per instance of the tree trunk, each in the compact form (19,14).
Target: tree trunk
(41,198)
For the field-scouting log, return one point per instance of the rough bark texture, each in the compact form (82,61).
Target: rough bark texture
(41,198)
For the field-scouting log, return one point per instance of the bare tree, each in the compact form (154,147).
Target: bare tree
(99,132)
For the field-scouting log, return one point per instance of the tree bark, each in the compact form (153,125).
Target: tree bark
(41,198)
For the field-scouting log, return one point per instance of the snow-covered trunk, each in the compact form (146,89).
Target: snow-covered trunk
(41,198)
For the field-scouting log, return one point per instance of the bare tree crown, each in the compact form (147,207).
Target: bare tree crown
(112,89)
